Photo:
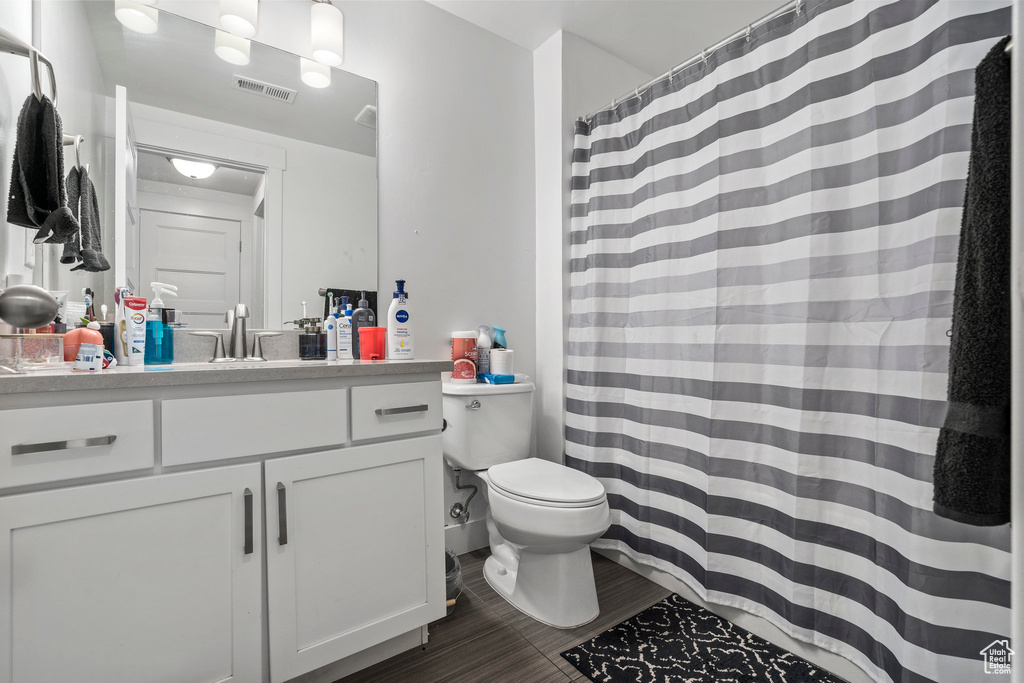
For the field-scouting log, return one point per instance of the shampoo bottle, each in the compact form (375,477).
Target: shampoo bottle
(400,325)
(361,317)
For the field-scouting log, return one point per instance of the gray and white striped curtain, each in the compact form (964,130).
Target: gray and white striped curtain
(763,256)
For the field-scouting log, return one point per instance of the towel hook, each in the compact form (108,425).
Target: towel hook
(78,157)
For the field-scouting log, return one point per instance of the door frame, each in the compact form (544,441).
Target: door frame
(167,137)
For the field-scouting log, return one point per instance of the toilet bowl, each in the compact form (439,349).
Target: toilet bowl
(541,516)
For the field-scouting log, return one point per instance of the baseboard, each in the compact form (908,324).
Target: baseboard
(367,658)
(462,538)
(840,666)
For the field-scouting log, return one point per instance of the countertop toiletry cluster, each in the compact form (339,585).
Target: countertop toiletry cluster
(482,355)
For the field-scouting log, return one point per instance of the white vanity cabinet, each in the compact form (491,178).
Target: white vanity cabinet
(254,531)
(336,585)
(154,579)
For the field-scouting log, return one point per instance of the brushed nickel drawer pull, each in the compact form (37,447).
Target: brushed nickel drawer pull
(282,515)
(247,503)
(422,408)
(27,448)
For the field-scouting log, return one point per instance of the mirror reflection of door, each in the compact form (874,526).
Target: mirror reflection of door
(198,234)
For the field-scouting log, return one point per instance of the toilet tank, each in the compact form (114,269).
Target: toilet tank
(486,424)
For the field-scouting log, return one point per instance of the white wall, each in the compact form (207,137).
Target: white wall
(81,103)
(572,77)
(15,86)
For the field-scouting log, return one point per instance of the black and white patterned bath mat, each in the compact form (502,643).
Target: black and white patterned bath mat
(676,641)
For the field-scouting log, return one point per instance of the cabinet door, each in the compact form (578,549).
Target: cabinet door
(137,581)
(355,550)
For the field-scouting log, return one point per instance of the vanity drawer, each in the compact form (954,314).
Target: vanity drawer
(222,427)
(393,409)
(40,445)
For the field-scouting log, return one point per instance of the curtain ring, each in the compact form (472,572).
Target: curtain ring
(749,30)
(799,4)
(637,92)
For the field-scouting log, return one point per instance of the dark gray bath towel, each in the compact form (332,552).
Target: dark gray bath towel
(972,462)
(38,199)
(87,245)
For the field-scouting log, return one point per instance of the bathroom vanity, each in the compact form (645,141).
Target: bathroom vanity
(209,523)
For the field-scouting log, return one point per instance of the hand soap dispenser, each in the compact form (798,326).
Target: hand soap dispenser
(159,335)
(361,317)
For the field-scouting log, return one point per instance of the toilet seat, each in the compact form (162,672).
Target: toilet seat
(544,483)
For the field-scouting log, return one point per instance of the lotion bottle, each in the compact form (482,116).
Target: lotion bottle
(345,330)
(400,325)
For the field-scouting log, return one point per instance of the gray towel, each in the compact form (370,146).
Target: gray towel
(86,245)
(38,199)
(972,461)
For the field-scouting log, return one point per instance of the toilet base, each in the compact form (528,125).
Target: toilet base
(556,589)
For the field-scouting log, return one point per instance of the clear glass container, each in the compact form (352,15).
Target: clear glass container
(27,352)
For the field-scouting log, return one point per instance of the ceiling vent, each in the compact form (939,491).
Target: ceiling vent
(274,92)
(367,117)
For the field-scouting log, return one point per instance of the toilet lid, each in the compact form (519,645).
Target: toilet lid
(545,482)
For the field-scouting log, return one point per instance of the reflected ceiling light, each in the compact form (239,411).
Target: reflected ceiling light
(314,74)
(239,17)
(328,33)
(231,48)
(196,170)
(136,16)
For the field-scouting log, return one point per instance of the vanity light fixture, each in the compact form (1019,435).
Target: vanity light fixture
(137,16)
(240,17)
(327,26)
(314,74)
(196,170)
(231,48)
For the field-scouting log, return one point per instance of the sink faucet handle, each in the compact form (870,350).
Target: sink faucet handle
(257,345)
(218,349)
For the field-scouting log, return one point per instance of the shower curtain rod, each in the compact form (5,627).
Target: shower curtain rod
(793,5)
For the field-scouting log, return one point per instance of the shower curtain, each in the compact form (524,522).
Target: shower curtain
(763,253)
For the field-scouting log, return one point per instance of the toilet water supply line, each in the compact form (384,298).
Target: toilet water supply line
(458,510)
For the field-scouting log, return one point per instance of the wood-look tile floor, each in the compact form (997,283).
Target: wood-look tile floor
(486,640)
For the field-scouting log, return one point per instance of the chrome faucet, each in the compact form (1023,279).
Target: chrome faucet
(237,347)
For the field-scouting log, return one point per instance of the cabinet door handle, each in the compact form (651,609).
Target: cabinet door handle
(27,448)
(282,516)
(247,498)
(422,408)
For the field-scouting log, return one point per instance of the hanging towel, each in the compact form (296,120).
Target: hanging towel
(38,199)
(972,461)
(87,244)
(73,247)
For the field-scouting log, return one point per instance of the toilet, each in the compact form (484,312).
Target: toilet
(541,516)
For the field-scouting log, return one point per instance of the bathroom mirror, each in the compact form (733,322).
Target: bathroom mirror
(289,201)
